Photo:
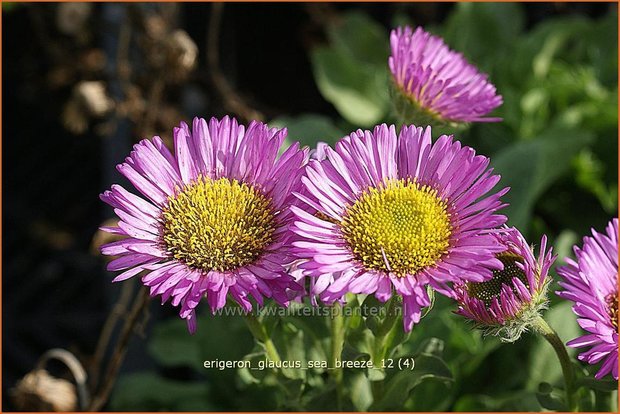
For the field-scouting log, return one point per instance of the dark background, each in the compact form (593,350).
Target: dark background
(56,292)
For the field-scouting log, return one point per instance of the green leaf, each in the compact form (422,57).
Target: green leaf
(371,308)
(585,400)
(530,167)
(589,171)
(400,385)
(247,375)
(146,391)
(474,403)
(613,402)
(564,244)
(266,395)
(360,37)
(483,30)
(432,396)
(352,73)
(309,129)
(361,391)
(321,399)
(509,401)
(171,345)
(316,335)
(358,92)
(550,398)
(603,47)
(545,41)
(289,393)
(600,385)
(431,346)
(462,334)
(289,341)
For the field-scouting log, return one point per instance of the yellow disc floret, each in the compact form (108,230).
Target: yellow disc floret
(400,227)
(612,307)
(217,224)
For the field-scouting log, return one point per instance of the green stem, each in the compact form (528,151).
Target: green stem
(542,327)
(260,334)
(601,401)
(338,335)
(381,345)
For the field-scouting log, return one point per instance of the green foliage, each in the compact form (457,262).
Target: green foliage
(308,129)
(351,72)
(543,365)
(559,83)
(170,347)
(496,27)
(530,167)
(399,386)
(148,391)
(557,150)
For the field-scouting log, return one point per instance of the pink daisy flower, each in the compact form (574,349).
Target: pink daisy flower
(388,212)
(507,304)
(592,283)
(439,83)
(214,217)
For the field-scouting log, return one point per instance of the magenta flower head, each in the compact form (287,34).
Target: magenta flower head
(388,212)
(215,217)
(592,283)
(508,304)
(435,84)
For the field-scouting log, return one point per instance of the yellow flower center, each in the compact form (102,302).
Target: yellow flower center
(486,291)
(612,307)
(400,227)
(217,224)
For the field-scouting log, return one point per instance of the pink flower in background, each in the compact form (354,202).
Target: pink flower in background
(591,281)
(439,82)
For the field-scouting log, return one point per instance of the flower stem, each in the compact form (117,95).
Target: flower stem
(260,334)
(139,307)
(381,345)
(542,327)
(338,334)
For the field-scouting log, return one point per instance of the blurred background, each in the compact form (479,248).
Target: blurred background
(83,82)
